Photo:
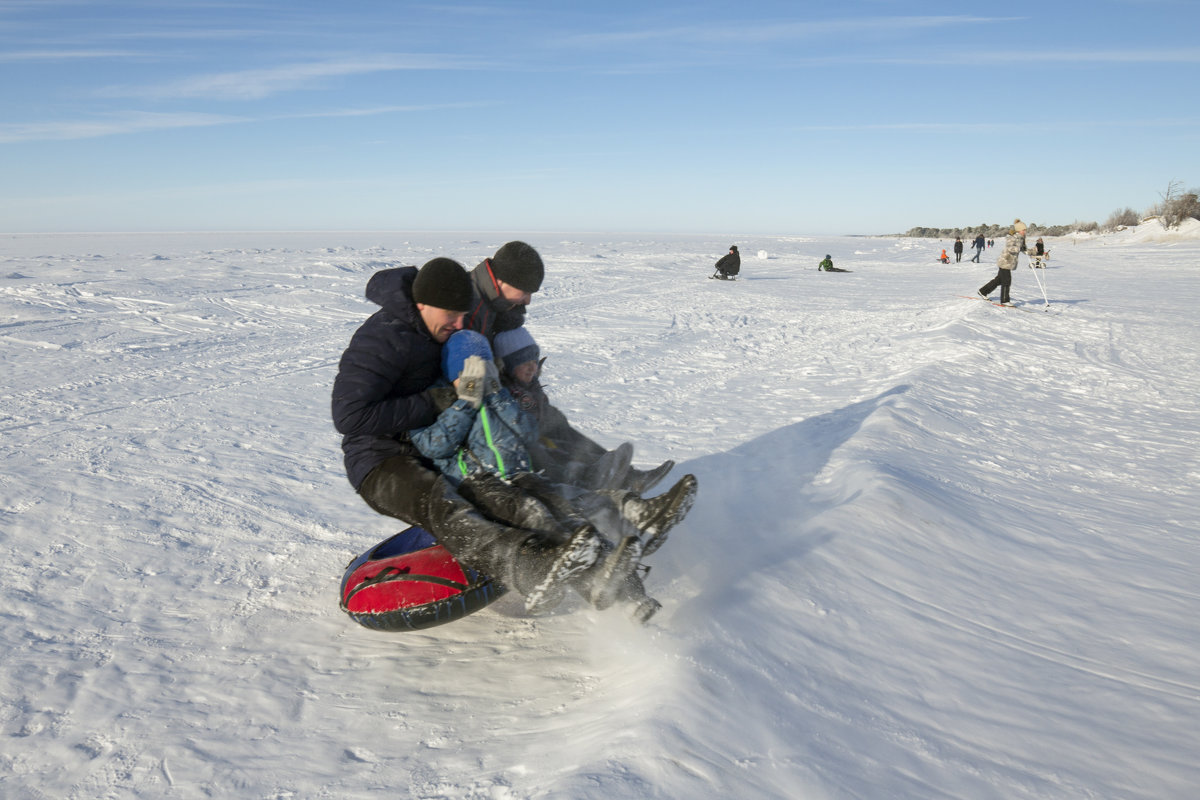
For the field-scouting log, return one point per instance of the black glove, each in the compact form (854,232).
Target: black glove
(442,397)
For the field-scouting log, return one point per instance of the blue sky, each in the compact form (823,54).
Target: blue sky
(868,116)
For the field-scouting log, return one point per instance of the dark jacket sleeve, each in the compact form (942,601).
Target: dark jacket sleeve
(374,392)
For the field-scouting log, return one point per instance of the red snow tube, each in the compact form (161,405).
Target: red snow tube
(410,582)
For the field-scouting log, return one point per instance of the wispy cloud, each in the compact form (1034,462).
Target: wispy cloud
(143,122)
(761,32)
(1044,56)
(109,125)
(62,55)
(370,112)
(256,84)
(1022,127)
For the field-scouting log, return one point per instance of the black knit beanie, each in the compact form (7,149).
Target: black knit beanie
(443,283)
(519,265)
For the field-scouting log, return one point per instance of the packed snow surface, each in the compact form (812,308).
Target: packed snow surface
(941,549)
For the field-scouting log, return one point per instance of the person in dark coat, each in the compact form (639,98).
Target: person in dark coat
(729,265)
(978,244)
(501,288)
(383,390)
(958,249)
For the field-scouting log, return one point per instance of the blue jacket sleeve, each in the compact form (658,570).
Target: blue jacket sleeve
(448,433)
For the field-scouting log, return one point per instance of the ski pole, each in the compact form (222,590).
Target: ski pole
(1038,280)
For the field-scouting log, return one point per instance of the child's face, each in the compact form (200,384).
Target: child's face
(525,372)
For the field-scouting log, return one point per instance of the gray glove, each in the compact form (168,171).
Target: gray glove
(471,380)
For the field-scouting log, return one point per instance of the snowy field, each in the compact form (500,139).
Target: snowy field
(942,549)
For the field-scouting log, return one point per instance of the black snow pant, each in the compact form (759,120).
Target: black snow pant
(1003,279)
(563,452)
(556,510)
(409,489)
(526,501)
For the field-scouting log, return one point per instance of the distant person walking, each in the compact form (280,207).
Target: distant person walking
(978,244)
(958,249)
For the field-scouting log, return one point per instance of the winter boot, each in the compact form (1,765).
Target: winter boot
(639,606)
(655,517)
(544,569)
(640,481)
(644,610)
(604,583)
(610,469)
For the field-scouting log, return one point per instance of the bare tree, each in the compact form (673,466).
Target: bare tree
(1177,205)
(1122,218)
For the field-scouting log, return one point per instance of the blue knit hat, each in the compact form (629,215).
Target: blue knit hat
(516,347)
(458,348)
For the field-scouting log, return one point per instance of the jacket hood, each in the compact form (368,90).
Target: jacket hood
(391,289)
(482,281)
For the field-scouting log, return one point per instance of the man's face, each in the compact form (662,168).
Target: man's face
(441,323)
(515,297)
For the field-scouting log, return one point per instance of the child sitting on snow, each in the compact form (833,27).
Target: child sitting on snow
(519,356)
(827,265)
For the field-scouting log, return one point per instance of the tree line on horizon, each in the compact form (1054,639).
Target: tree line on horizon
(1175,206)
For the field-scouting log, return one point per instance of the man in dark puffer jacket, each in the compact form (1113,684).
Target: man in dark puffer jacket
(383,390)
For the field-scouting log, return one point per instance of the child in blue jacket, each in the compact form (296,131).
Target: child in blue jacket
(481,444)
(484,435)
